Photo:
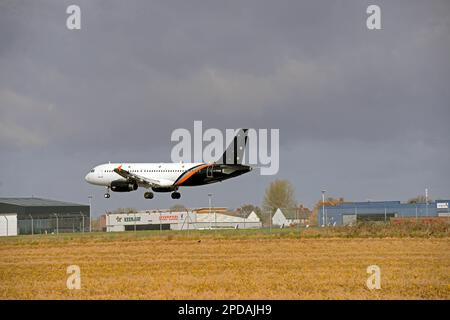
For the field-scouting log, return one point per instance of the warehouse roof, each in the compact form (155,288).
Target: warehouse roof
(37,202)
(381,204)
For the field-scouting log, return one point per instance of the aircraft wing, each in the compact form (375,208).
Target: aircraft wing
(143,181)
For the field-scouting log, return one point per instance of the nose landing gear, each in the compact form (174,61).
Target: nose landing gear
(107,195)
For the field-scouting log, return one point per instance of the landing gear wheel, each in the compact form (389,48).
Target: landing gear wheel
(176,195)
(107,195)
(148,195)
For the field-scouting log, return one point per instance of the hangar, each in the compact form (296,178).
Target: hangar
(41,216)
(353,212)
(189,219)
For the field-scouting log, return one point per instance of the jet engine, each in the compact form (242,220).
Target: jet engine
(123,186)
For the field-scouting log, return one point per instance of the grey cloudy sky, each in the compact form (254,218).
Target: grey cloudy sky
(364,114)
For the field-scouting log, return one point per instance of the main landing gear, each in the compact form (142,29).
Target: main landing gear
(176,195)
(148,195)
(107,195)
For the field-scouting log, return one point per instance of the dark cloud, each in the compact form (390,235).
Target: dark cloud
(116,89)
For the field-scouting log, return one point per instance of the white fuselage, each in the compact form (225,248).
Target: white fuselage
(166,173)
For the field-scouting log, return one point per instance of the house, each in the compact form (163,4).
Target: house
(289,216)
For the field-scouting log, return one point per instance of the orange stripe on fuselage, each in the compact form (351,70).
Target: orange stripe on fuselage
(191,173)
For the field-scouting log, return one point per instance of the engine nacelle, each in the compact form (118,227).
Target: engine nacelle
(123,186)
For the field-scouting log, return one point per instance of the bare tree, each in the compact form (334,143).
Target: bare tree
(419,199)
(279,194)
(178,207)
(246,209)
(124,210)
(328,202)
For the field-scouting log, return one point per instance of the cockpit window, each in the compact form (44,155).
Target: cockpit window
(92,170)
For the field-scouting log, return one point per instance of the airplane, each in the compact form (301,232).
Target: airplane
(169,177)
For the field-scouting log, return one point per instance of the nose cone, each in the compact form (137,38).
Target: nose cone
(88,178)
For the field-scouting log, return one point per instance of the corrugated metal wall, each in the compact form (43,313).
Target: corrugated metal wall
(377,210)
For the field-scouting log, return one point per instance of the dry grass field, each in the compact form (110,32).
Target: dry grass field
(259,266)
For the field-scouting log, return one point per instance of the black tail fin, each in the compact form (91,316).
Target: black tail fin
(234,153)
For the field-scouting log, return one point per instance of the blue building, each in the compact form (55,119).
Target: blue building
(350,213)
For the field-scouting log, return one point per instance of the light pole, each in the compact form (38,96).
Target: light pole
(426,200)
(82,218)
(210,208)
(32,227)
(323,208)
(160,225)
(90,213)
(57,227)
(270,221)
(210,201)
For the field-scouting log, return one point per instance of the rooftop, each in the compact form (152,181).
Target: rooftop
(296,213)
(37,202)
(380,204)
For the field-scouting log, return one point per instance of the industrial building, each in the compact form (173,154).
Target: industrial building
(8,224)
(190,219)
(353,212)
(42,216)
